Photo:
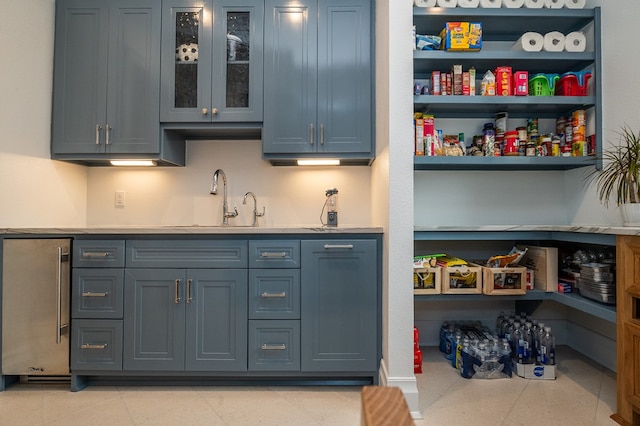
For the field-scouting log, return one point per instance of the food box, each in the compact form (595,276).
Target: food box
(520,83)
(504,281)
(534,371)
(544,262)
(504,81)
(461,36)
(463,279)
(427,280)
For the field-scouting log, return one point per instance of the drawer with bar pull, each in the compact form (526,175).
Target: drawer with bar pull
(97,293)
(96,345)
(274,254)
(98,253)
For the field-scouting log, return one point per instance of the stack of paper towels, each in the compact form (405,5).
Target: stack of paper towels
(553,41)
(512,4)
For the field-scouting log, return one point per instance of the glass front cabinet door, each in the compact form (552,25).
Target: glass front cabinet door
(212,61)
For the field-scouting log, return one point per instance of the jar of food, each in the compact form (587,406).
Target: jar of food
(546,145)
(489,139)
(511,143)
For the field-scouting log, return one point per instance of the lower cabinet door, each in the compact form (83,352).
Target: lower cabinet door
(96,345)
(274,345)
(216,320)
(339,317)
(154,310)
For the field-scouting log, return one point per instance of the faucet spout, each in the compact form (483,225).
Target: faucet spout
(256,214)
(226,214)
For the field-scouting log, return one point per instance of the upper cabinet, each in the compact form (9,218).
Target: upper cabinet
(212,61)
(107,83)
(501,28)
(318,80)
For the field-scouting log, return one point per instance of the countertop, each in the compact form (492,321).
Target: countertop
(583,229)
(190,230)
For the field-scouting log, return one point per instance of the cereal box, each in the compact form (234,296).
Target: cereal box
(461,36)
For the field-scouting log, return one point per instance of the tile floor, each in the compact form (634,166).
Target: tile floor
(583,394)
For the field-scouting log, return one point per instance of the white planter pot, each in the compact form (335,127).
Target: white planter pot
(630,214)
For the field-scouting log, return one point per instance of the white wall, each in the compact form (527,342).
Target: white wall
(34,190)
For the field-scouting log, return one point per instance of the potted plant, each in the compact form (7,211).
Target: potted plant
(620,175)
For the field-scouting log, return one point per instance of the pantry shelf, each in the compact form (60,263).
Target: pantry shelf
(502,163)
(426,61)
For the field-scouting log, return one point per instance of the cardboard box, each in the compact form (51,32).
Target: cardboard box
(533,371)
(504,281)
(544,262)
(521,83)
(436,88)
(427,280)
(504,81)
(461,36)
(462,279)
(456,72)
(530,278)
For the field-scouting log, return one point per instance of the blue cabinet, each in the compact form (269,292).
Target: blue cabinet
(107,83)
(212,61)
(318,65)
(340,305)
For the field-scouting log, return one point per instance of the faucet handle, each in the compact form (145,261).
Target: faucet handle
(234,213)
(260,214)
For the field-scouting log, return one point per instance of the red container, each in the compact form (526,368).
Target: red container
(511,143)
(504,81)
(569,85)
(520,83)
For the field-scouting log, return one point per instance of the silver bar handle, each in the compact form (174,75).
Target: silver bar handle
(267,295)
(177,291)
(59,298)
(273,254)
(280,347)
(189,298)
(107,131)
(93,346)
(338,246)
(92,294)
(321,133)
(92,254)
(98,128)
(311,133)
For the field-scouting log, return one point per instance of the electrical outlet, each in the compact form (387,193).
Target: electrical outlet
(120,200)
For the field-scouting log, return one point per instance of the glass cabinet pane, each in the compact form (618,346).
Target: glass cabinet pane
(186,66)
(238,50)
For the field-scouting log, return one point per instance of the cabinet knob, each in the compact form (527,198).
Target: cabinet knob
(214,111)
(205,111)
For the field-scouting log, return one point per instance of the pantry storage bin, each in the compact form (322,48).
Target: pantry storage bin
(504,281)
(462,279)
(573,84)
(427,280)
(543,84)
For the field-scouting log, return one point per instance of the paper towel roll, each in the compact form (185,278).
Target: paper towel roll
(513,4)
(554,4)
(468,3)
(447,3)
(529,42)
(534,4)
(424,3)
(575,42)
(553,42)
(490,3)
(575,4)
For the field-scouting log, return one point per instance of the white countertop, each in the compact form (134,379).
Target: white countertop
(191,230)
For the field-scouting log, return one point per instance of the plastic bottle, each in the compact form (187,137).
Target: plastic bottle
(527,338)
(505,357)
(456,347)
(499,322)
(548,347)
(466,369)
(459,354)
(538,341)
(517,345)
(509,329)
(443,336)
(489,139)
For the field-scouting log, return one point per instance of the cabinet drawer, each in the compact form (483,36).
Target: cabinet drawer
(97,293)
(274,345)
(98,254)
(186,254)
(274,254)
(274,294)
(96,345)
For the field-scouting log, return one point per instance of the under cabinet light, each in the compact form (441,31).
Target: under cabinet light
(318,162)
(145,163)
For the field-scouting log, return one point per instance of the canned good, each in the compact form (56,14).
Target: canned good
(579,121)
(501,123)
(546,146)
(555,146)
(532,127)
(561,123)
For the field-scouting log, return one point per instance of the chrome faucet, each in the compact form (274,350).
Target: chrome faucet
(226,214)
(256,214)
